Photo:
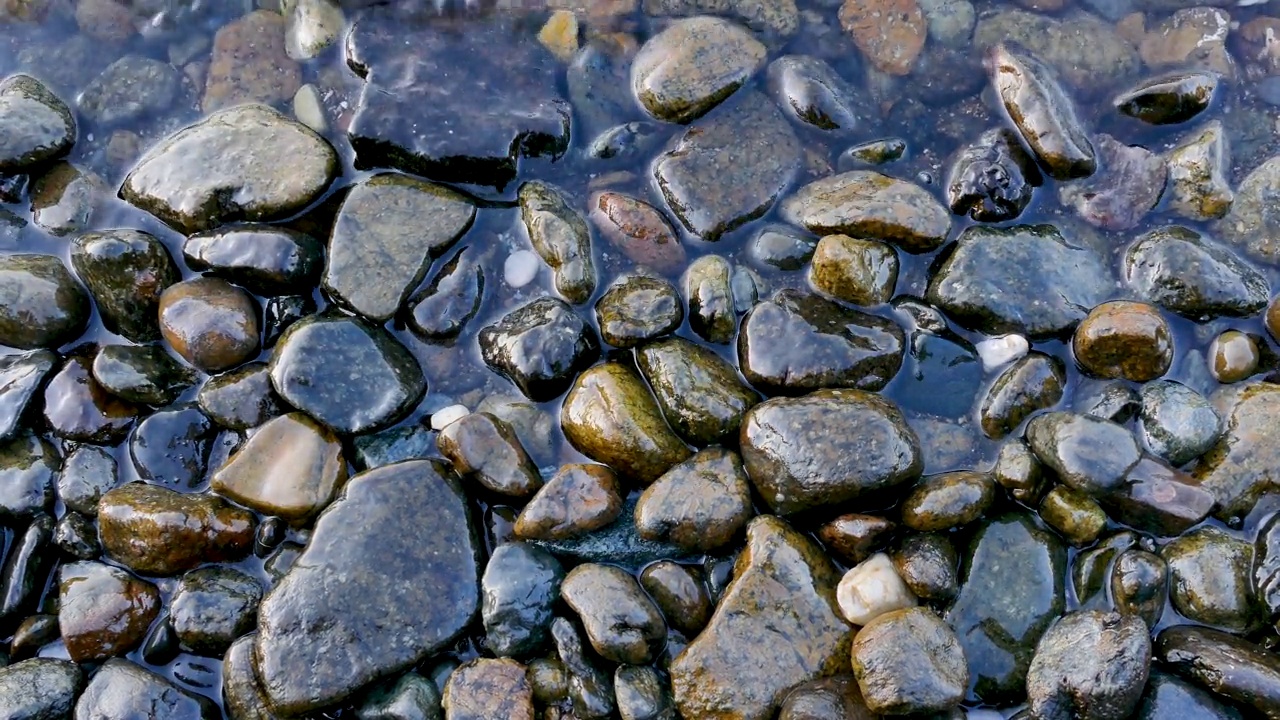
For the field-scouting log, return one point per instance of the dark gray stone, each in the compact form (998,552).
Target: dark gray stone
(123,689)
(172,446)
(412,697)
(131,89)
(145,374)
(540,347)
(1089,454)
(28,469)
(41,304)
(213,606)
(242,398)
(1178,423)
(36,125)
(643,693)
(622,623)
(520,587)
(812,93)
(87,474)
(1171,698)
(909,662)
(125,271)
(21,376)
(1090,665)
(264,259)
(637,308)
(1229,666)
(1188,273)
(40,689)
(442,309)
(699,392)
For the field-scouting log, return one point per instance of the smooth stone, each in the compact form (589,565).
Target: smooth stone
(250,63)
(76,536)
(65,198)
(1251,224)
(1034,382)
(211,323)
(265,259)
(103,611)
(1128,185)
(37,126)
(812,93)
(578,499)
(948,500)
(1140,585)
(311,27)
(698,391)
(405,442)
(486,449)
(242,398)
(870,205)
(1212,580)
(833,698)
(637,308)
(213,606)
(824,345)
(77,408)
(1019,471)
(684,71)
(87,474)
(708,285)
(776,625)
(473,123)
(796,463)
(1159,499)
(156,531)
(1124,339)
(290,468)
(872,588)
(1233,356)
(1169,697)
(861,272)
(440,311)
(130,90)
(540,347)
(1091,572)
(1090,665)
(40,689)
(1266,565)
(172,446)
(26,570)
(378,250)
(638,230)
(370,619)
(782,247)
(1168,99)
(123,689)
(642,693)
(700,505)
(1087,453)
(21,375)
(680,593)
(730,167)
(1238,469)
(1177,423)
(1199,169)
(41,304)
(621,621)
(126,271)
(560,236)
(1042,113)
(488,688)
(1230,667)
(1011,591)
(909,661)
(242,696)
(1188,273)
(29,468)
(610,416)
(412,697)
(246,162)
(929,565)
(143,374)
(1075,515)
(590,687)
(993,178)
(1025,279)
(311,370)
(518,593)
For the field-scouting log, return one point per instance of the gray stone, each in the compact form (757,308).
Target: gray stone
(122,689)
(242,398)
(172,446)
(1188,273)
(1089,454)
(1090,665)
(590,687)
(812,93)
(1241,466)
(1169,697)
(21,375)
(213,606)
(1168,99)
(41,304)
(871,205)
(352,609)
(440,311)
(1178,423)
(520,586)
(36,125)
(1128,185)
(908,661)
(144,374)
(246,162)
(687,69)
(387,230)
(699,392)
(28,469)
(1043,113)
(622,623)
(1212,583)
(130,89)
(1086,51)
(560,236)
(242,696)
(708,285)
(700,505)
(643,693)
(1025,279)
(1198,172)
(1228,666)
(87,474)
(540,347)
(637,308)
(412,697)
(40,689)
(265,259)
(1253,224)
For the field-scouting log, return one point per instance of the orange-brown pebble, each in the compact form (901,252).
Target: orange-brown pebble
(211,323)
(1124,339)
(1233,356)
(639,230)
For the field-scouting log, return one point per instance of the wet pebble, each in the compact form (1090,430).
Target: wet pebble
(782,247)
(643,693)
(698,391)
(412,697)
(1019,471)
(1228,666)
(1211,583)
(36,124)
(143,374)
(40,688)
(638,230)
(1169,697)
(1178,423)
(488,688)
(1128,185)
(250,64)
(862,272)
(1233,356)
(76,536)
(1033,383)
(211,323)
(126,271)
(909,661)
(1069,444)
(1198,170)
(213,606)
(65,197)
(948,500)
(1250,224)
(122,688)
(264,259)
(993,178)
(1087,51)
(872,588)
(1089,666)
(77,408)
(518,592)
(680,593)
(813,93)
(21,375)
(130,89)
(1123,339)
(540,347)
(242,398)
(871,205)
(1191,36)
(637,308)
(41,305)
(157,531)
(561,238)
(103,611)
(928,564)
(890,33)
(29,467)
(486,449)
(172,446)
(684,71)
(1140,585)
(440,311)
(312,369)
(590,687)
(1043,114)
(578,499)
(87,474)
(1073,514)
(701,504)
(1188,273)
(621,621)
(1168,99)
(291,468)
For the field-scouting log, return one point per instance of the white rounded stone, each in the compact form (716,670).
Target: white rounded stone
(444,416)
(1000,351)
(872,588)
(308,108)
(520,268)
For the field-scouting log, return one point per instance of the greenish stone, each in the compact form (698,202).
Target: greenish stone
(699,392)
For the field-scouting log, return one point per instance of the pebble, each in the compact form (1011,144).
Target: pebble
(638,230)
(1043,114)
(312,26)
(1123,339)
(872,588)
(1128,186)
(1169,99)
(680,593)
(308,109)
(444,417)
(1198,170)
(560,236)
(1249,225)
(782,247)
(996,352)
(867,204)
(621,622)
(950,21)
(1233,356)
(77,408)
(909,661)
(211,323)
(126,272)
(122,688)
(213,606)
(1169,697)
(1073,514)
(578,499)
(87,474)
(28,468)
(1230,667)
(143,374)
(484,448)
(684,71)
(928,564)
(131,89)
(643,693)
(1140,585)
(1211,579)
(65,197)
(813,93)
(701,504)
(519,588)
(40,688)
(1087,51)
(862,272)
(171,446)
(36,124)
(948,500)
(1089,666)
(156,531)
(1034,382)
(240,399)
(993,178)
(1188,273)
(1192,36)
(1018,471)
(699,392)
(42,304)
(540,347)
(1177,423)
(103,611)
(250,63)
(442,309)
(890,33)
(638,308)
(21,375)
(488,688)
(264,259)
(412,697)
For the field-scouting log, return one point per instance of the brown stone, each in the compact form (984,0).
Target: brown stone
(1273,318)
(250,64)
(106,20)
(701,504)
(1124,339)
(680,594)
(211,323)
(1242,466)
(868,204)
(639,230)
(484,447)
(862,272)
(854,537)
(489,688)
(578,499)
(157,531)
(890,33)
(1233,356)
(292,467)
(103,611)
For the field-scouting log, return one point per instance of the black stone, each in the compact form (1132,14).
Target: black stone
(520,587)
(265,259)
(540,347)
(282,311)
(992,179)
(125,271)
(145,374)
(242,398)
(21,375)
(172,446)
(26,570)
(77,537)
(212,607)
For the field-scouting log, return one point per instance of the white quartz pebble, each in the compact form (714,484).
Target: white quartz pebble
(998,351)
(521,268)
(446,415)
(872,588)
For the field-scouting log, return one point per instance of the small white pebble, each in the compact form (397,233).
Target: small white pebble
(872,588)
(308,109)
(442,417)
(998,351)
(521,268)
